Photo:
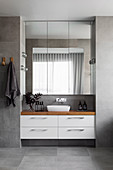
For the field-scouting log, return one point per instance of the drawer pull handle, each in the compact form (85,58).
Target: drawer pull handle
(39,130)
(38,118)
(69,130)
(75,117)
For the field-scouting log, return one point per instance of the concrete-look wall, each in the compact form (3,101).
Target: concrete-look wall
(72,100)
(9,115)
(104,81)
(59,43)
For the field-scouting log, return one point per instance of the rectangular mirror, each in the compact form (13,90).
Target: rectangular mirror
(36,37)
(80,51)
(59,54)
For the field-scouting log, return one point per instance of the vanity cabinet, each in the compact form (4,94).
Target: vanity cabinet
(39,127)
(39,121)
(76,133)
(78,121)
(38,133)
(57,127)
(76,127)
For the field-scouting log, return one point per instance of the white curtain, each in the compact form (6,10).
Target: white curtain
(58,73)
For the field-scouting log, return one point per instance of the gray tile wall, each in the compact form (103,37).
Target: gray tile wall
(9,47)
(104,81)
(72,100)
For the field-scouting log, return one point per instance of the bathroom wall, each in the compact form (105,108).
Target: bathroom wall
(9,115)
(58,43)
(104,81)
(72,100)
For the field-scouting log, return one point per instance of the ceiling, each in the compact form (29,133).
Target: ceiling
(56,9)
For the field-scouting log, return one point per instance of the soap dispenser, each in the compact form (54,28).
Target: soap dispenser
(80,106)
(84,106)
(42,106)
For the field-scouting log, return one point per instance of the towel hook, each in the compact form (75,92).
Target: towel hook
(11,59)
(3,61)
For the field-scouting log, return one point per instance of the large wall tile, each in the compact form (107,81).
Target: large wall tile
(9,115)
(72,100)
(104,81)
(9,29)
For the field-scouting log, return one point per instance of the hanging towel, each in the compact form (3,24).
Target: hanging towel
(12,89)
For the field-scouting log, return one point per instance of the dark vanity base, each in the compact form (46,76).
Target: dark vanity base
(61,142)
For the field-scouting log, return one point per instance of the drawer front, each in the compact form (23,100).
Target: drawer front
(76,121)
(44,121)
(39,133)
(76,133)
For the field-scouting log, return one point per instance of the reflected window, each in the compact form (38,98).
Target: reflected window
(58,72)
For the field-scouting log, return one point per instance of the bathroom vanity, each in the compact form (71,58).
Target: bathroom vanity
(57,125)
(52,72)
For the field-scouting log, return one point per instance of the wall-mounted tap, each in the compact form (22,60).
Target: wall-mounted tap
(24,68)
(61,100)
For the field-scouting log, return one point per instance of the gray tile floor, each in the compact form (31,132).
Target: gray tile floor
(56,158)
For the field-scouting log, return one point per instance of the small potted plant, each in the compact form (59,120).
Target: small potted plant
(31,99)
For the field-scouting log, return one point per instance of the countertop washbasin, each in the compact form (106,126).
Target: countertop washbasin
(63,108)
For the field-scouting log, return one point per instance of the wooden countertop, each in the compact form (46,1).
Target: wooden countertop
(58,113)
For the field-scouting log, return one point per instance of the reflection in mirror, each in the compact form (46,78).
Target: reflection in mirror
(58,72)
(36,30)
(36,36)
(60,57)
(57,34)
(80,37)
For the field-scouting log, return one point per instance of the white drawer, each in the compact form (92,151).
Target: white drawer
(78,121)
(76,133)
(39,133)
(44,121)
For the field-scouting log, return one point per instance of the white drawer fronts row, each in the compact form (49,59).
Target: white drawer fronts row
(57,127)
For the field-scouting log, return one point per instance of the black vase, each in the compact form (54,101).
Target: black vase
(80,106)
(84,106)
